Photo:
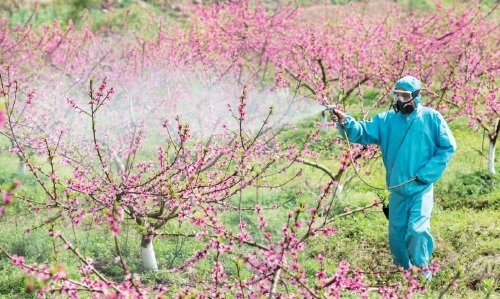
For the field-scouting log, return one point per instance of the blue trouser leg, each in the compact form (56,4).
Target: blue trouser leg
(410,240)
(418,238)
(398,223)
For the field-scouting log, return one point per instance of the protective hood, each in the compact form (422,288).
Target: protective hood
(411,84)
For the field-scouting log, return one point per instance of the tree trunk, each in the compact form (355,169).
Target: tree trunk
(491,157)
(491,152)
(148,255)
(274,286)
(21,168)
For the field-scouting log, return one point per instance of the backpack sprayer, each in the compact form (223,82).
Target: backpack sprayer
(331,109)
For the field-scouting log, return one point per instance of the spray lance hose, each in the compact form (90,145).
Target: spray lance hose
(331,110)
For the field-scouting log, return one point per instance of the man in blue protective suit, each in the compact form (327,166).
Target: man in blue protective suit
(416,145)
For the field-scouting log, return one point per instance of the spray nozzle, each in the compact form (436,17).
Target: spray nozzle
(330,108)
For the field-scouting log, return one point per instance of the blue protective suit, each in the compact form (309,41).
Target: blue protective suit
(424,152)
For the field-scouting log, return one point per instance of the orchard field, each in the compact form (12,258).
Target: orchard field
(166,149)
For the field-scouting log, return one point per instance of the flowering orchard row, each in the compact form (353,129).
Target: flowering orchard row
(83,110)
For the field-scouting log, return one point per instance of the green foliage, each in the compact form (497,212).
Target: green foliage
(418,5)
(468,239)
(127,13)
(35,246)
(166,277)
(489,286)
(299,135)
(73,9)
(13,283)
(477,190)
(366,235)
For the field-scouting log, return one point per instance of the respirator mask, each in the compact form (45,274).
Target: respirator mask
(403,100)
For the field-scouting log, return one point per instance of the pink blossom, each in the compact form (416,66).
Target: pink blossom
(17,260)
(319,258)
(3,118)
(6,197)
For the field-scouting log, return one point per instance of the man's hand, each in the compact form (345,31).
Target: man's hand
(337,115)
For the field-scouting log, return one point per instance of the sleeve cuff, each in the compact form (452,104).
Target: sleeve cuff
(347,121)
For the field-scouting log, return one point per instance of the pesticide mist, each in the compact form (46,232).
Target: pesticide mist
(158,103)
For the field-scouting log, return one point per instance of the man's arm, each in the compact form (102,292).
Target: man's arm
(447,146)
(364,132)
